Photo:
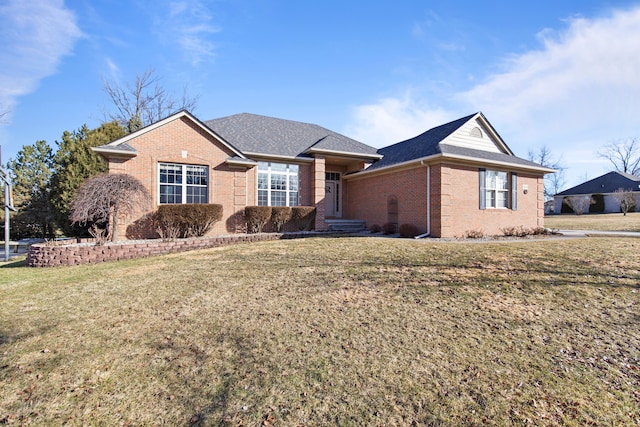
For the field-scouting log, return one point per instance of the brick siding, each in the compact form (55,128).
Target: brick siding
(182,141)
(455,201)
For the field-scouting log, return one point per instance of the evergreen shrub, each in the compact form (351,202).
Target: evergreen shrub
(303,217)
(280,215)
(188,220)
(257,217)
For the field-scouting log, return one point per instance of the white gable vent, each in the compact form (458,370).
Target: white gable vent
(476,132)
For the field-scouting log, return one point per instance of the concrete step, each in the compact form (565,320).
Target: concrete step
(351,225)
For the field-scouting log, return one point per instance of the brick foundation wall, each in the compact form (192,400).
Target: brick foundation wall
(66,253)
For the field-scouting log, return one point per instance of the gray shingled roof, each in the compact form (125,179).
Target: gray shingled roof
(252,133)
(429,144)
(607,183)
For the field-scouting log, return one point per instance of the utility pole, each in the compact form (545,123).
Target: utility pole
(8,206)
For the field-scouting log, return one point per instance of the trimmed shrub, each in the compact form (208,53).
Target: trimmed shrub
(597,205)
(517,231)
(188,220)
(388,228)
(408,230)
(375,228)
(474,234)
(303,217)
(280,215)
(257,217)
(539,231)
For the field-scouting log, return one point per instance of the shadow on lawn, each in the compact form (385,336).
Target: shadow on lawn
(14,264)
(534,272)
(230,373)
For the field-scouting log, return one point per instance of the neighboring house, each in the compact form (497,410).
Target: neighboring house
(454,178)
(603,186)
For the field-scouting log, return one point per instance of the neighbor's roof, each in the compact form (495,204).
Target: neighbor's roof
(430,143)
(607,183)
(255,134)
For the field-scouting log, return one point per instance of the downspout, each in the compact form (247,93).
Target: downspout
(422,236)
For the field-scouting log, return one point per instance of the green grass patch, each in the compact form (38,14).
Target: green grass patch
(323,331)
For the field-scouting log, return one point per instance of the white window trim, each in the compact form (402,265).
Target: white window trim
(184,184)
(287,190)
(510,192)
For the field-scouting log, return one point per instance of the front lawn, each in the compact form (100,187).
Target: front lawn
(329,331)
(607,222)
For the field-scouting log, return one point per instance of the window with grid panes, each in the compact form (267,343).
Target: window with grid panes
(181,183)
(278,184)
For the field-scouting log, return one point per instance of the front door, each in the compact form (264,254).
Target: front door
(331,199)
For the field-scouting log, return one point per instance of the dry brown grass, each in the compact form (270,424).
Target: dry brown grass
(352,331)
(607,222)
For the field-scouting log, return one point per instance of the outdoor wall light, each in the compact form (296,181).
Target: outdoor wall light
(525,189)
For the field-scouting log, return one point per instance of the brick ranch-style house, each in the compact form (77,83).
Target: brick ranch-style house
(604,186)
(454,178)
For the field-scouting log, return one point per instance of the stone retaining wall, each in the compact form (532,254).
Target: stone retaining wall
(72,252)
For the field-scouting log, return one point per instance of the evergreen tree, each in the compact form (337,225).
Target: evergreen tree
(74,163)
(30,173)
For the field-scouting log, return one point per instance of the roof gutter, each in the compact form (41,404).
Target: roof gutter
(344,153)
(277,157)
(466,159)
(241,163)
(500,163)
(114,153)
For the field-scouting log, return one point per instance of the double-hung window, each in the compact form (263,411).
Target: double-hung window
(278,184)
(181,183)
(498,189)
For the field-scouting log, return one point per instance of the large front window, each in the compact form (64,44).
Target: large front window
(277,184)
(183,183)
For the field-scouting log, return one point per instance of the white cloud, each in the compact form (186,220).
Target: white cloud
(112,69)
(35,35)
(391,120)
(578,91)
(189,24)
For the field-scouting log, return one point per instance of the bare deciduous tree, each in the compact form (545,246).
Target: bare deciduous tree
(553,182)
(579,204)
(623,154)
(104,198)
(144,102)
(626,198)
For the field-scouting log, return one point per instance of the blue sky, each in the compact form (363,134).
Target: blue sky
(558,73)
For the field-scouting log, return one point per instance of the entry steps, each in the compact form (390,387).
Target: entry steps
(350,225)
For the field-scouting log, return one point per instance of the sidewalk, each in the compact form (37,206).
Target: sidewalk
(599,233)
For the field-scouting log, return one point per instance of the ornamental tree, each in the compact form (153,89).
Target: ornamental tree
(105,198)
(627,200)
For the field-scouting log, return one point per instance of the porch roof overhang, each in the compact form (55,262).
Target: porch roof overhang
(122,151)
(343,154)
(239,162)
(264,156)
